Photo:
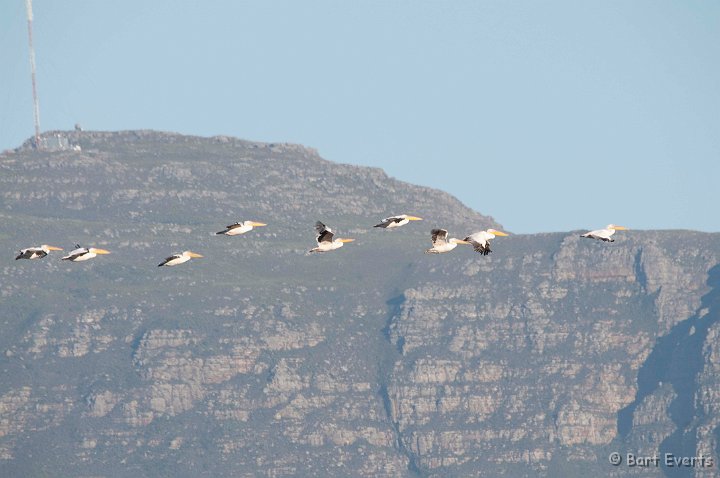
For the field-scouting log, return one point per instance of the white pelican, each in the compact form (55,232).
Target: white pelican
(240,228)
(83,253)
(441,243)
(181,258)
(36,252)
(604,234)
(325,239)
(397,221)
(481,240)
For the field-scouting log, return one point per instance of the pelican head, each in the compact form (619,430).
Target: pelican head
(98,251)
(191,254)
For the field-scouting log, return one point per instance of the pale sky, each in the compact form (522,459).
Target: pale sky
(547,115)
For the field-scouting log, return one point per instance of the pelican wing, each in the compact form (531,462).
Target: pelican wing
(31,253)
(168,259)
(600,234)
(389,220)
(74,254)
(439,237)
(480,242)
(230,228)
(325,234)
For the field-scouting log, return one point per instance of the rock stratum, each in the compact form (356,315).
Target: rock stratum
(375,360)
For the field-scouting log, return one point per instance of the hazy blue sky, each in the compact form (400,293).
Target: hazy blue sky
(549,116)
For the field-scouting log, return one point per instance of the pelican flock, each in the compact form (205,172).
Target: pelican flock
(177,259)
(604,234)
(83,253)
(325,239)
(36,252)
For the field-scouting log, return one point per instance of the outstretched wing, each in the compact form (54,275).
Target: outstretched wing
(480,242)
(439,236)
(324,233)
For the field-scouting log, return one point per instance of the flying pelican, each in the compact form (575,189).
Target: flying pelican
(481,240)
(181,258)
(36,252)
(604,234)
(441,243)
(83,253)
(240,228)
(397,221)
(325,239)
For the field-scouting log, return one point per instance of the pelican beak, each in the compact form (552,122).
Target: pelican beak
(500,233)
(346,240)
(100,251)
(620,228)
(258,224)
(194,254)
(53,248)
(413,218)
(458,241)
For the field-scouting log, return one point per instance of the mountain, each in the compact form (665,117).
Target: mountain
(375,360)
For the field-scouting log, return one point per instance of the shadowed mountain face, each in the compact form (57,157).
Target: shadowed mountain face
(373,360)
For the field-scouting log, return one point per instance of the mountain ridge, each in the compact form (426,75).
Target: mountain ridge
(374,360)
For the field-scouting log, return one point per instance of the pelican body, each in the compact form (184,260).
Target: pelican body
(397,221)
(177,259)
(240,228)
(84,253)
(325,239)
(481,240)
(604,234)
(36,252)
(441,243)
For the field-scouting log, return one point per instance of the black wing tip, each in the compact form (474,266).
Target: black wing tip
(221,232)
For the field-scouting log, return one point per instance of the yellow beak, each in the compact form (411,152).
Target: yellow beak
(458,241)
(258,224)
(53,248)
(194,254)
(346,240)
(100,251)
(413,218)
(620,228)
(500,233)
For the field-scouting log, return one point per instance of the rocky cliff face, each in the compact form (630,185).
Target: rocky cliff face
(375,360)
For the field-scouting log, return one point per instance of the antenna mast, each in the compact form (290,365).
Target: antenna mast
(36,106)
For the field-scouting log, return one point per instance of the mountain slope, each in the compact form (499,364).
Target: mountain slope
(374,360)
